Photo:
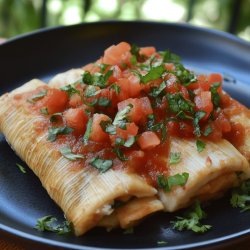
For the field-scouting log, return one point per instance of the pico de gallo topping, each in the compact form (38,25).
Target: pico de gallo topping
(126,106)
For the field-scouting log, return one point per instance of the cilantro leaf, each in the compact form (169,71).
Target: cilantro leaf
(200,145)
(103,66)
(169,57)
(96,79)
(55,131)
(135,50)
(91,91)
(104,102)
(241,196)
(174,158)
(178,103)
(70,90)
(167,183)
(119,154)
(197,117)
(21,168)
(185,76)
(44,111)
(191,220)
(38,96)
(100,164)
(153,74)
(116,88)
(121,115)
(128,143)
(47,223)
(215,95)
(107,127)
(155,91)
(208,130)
(67,153)
(88,131)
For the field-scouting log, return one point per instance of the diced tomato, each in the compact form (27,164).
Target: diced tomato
(76,119)
(148,140)
(203,102)
(184,92)
(117,54)
(141,108)
(147,51)
(97,134)
(214,78)
(173,128)
(172,84)
(116,74)
(237,135)
(216,133)
(186,129)
(223,123)
(55,101)
(131,130)
(136,112)
(75,101)
(169,66)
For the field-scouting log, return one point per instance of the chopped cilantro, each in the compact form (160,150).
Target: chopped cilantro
(38,96)
(96,79)
(208,130)
(55,131)
(67,153)
(70,90)
(215,94)
(121,115)
(174,158)
(155,91)
(167,183)
(21,168)
(185,76)
(104,102)
(191,220)
(197,117)
(47,223)
(133,60)
(128,143)
(119,154)
(153,74)
(88,131)
(200,145)
(107,127)
(100,164)
(91,91)
(241,196)
(178,103)
(162,243)
(169,57)
(116,88)
(103,66)
(183,116)
(135,50)
(44,111)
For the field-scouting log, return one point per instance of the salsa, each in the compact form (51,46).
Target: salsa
(123,111)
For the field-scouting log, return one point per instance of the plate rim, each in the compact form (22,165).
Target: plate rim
(12,232)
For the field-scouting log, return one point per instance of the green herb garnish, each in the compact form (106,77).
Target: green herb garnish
(241,196)
(88,131)
(70,90)
(153,74)
(47,223)
(53,118)
(38,96)
(55,131)
(67,153)
(100,164)
(155,91)
(21,168)
(215,94)
(200,145)
(167,183)
(119,154)
(197,117)
(191,220)
(122,114)
(178,103)
(44,111)
(174,158)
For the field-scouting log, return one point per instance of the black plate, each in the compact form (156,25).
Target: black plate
(45,53)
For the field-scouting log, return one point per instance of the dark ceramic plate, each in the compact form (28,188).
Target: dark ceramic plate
(45,53)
